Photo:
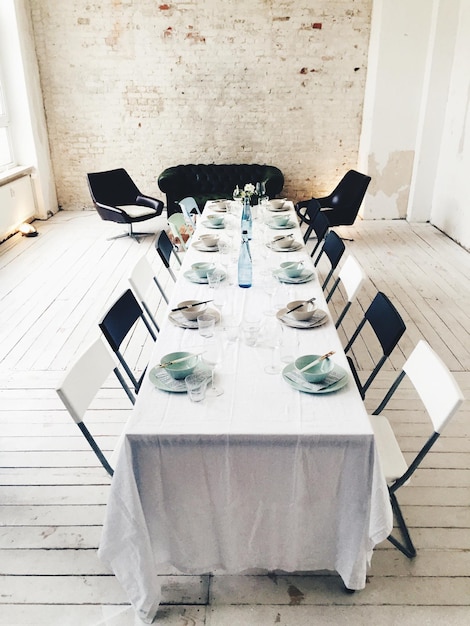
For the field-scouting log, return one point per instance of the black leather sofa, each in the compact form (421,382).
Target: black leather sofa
(211,182)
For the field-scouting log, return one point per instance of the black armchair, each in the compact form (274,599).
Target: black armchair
(342,205)
(117,199)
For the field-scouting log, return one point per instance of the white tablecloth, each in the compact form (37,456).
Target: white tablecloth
(263,476)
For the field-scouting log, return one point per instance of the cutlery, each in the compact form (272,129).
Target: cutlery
(317,361)
(183,358)
(188,306)
(298,306)
(283,237)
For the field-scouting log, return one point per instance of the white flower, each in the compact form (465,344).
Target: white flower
(249,189)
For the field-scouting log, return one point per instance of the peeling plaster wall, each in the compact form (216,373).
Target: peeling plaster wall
(147,85)
(397,62)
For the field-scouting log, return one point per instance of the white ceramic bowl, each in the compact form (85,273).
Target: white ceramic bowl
(215,220)
(284,241)
(305,310)
(293,269)
(210,241)
(192,311)
(277,203)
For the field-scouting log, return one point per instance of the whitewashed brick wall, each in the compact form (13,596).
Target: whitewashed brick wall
(144,85)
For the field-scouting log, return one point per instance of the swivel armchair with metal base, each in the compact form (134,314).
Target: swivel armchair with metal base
(117,199)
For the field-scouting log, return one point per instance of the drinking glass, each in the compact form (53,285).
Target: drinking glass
(196,386)
(206,324)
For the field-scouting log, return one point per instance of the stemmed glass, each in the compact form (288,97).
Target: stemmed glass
(273,342)
(212,356)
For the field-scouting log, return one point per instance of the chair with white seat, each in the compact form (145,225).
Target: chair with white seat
(351,276)
(441,397)
(188,205)
(140,279)
(166,251)
(82,382)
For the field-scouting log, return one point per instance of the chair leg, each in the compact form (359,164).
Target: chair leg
(406,546)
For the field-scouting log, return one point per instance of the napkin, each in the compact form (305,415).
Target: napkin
(332,378)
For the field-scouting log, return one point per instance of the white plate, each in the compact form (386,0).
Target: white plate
(202,248)
(194,278)
(318,319)
(305,277)
(296,245)
(164,381)
(336,379)
(178,319)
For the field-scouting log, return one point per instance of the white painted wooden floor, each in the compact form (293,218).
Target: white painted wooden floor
(53,290)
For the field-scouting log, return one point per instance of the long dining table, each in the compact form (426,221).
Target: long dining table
(266,475)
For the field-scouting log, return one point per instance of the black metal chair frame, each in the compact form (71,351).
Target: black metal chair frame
(333,248)
(117,323)
(388,327)
(165,249)
(342,205)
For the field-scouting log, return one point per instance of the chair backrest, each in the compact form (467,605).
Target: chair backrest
(188,205)
(81,383)
(140,279)
(345,200)
(165,249)
(320,226)
(84,378)
(387,326)
(333,248)
(117,323)
(434,383)
(352,277)
(113,187)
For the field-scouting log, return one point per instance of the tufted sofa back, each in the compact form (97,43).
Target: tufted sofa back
(210,182)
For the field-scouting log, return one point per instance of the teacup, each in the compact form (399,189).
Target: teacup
(215,220)
(201,269)
(192,309)
(284,241)
(304,311)
(280,220)
(293,269)
(210,241)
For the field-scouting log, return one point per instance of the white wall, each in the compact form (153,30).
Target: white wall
(25,103)
(451,201)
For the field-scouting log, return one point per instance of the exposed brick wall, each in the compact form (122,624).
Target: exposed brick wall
(144,85)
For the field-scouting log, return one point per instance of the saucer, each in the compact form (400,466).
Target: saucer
(164,381)
(209,224)
(296,245)
(336,379)
(178,319)
(305,277)
(202,248)
(195,278)
(318,318)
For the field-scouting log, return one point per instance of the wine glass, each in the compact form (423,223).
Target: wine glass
(273,342)
(212,356)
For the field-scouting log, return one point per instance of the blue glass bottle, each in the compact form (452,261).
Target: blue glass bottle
(247,219)
(245,269)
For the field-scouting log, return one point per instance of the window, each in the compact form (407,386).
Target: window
(6,152)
